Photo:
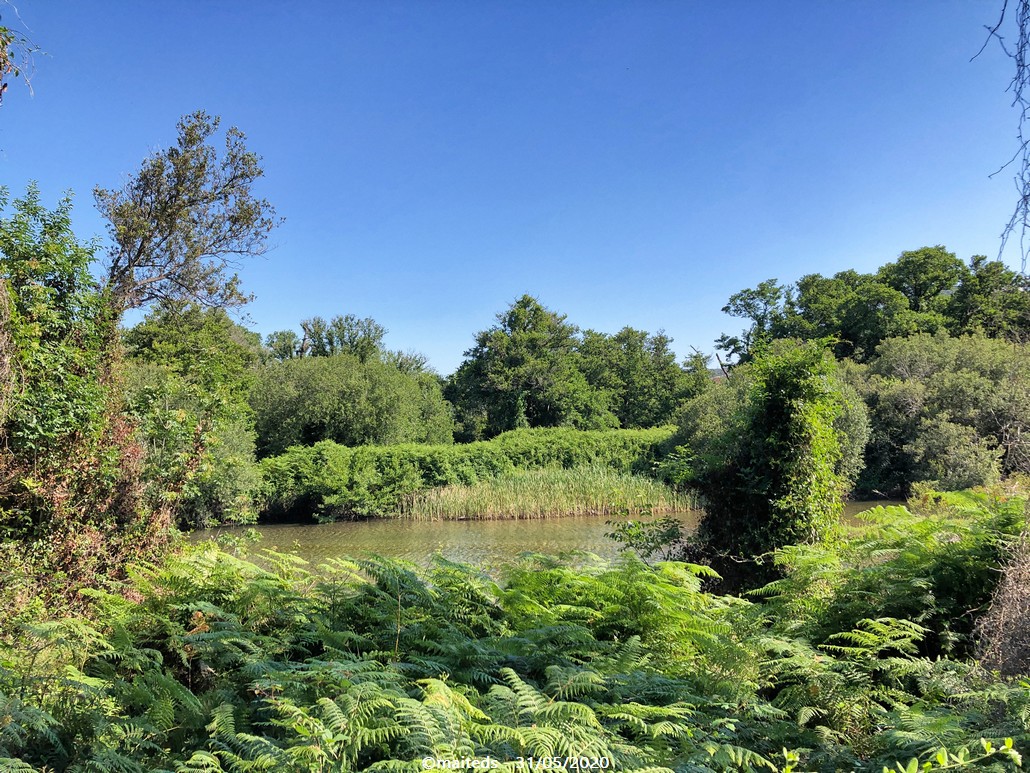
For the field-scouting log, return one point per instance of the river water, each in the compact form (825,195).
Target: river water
(485,543)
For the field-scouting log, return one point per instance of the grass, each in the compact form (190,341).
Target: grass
(587,490)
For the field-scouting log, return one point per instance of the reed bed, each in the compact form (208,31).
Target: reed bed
(548,492)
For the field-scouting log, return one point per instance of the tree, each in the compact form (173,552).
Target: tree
(303,400)
(991,299)
(523,372)
(765,452)
(638,373)
(925,277)
(762,305)
(72,507)
(15,57)
(955,411)
(180,224)
(187,380)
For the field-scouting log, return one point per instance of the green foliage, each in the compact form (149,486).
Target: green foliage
(937,572)
(178,225)
(70,508)
(638,374)
(342,399)
(953,411)
(187,379)
(523,372)
(334,481)
(765,453)
(54,328)
(219,664)
(923,291)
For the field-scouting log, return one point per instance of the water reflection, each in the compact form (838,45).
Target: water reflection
(485,543)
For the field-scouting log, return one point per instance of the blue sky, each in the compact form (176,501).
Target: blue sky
(629,163)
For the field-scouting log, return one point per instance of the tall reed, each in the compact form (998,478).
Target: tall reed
(585,490)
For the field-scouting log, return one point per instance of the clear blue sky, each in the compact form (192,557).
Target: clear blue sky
(629,163)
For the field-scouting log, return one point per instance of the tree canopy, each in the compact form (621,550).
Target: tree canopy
(180,224)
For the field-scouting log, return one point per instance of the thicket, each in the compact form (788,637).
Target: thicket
(854,661)
(332,481)
(187,374)
(769,451)
(954,412)
(347,400)
(73,505)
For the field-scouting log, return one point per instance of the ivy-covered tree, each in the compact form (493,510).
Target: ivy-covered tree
(765,452)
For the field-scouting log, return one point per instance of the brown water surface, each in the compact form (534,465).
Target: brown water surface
(485,543)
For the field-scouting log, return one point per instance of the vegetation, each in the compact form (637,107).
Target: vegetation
(333,481)
(764,452)
(546,492)
(535,369)
(178,225)
(854,661)
(121,650)
(924,291)
(342,399)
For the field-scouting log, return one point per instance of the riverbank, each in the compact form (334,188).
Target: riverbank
(331,482)
(547,493)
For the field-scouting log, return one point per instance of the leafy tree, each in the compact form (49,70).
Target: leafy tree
(303,400)
(341,335)
(765,452)
(763,306)
(991,299)
(524,372)
(857,310)
(638,373)
(180,223)
(283,344)
(189,375)
(925,277)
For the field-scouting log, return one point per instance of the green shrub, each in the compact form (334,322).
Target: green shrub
(333,481)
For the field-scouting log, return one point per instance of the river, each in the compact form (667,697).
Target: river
(485,543)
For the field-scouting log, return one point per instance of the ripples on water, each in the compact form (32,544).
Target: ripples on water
(485,543)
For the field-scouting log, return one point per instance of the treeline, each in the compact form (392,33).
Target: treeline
(930,352)
(938,350)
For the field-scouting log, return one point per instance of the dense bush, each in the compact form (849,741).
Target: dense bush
(951,411)
(765,453)
(186,380)
(346,400)
(332,481)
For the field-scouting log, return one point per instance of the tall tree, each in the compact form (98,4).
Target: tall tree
(638,373)
(523,372)
(181,223)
